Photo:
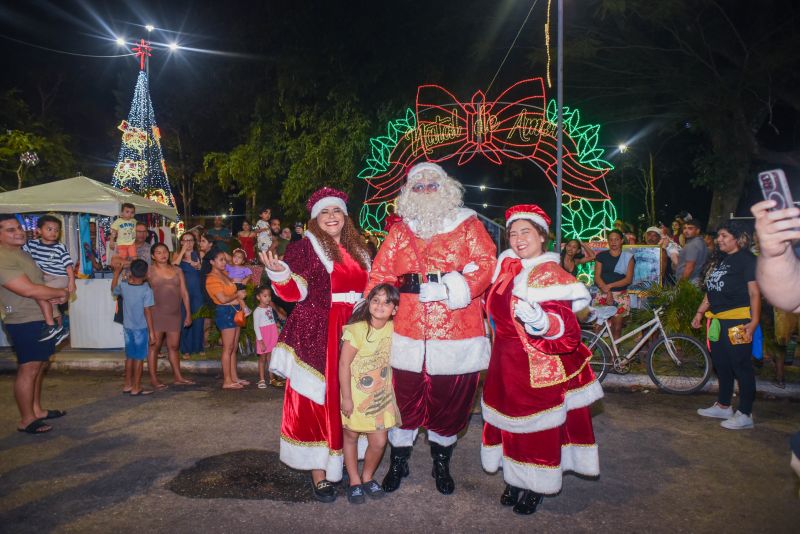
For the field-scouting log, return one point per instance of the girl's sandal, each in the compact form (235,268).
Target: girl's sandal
(262,384)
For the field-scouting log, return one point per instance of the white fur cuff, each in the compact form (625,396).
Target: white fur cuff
(280,276)
(458,295)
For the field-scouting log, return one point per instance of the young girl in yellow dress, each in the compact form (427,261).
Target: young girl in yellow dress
(365,379)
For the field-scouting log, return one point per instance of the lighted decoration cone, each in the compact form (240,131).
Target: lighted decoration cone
(141,167)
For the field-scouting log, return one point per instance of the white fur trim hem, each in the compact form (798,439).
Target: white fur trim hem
(458,295)
(584,396)
(581,459)
(537,422)
(315,244)
(312,456)
(303,379)
(401,437)
(444,441)
(280,276)
(491,457)
(556,416)
(441,357)
(327,202)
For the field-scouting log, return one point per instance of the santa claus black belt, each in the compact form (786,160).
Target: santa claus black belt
(410,282)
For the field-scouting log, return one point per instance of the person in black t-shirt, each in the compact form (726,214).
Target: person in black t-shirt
(612,279)
(732,300)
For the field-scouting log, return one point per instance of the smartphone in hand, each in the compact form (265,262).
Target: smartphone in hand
(775,187)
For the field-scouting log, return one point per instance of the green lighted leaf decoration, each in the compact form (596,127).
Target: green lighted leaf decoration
(381,147)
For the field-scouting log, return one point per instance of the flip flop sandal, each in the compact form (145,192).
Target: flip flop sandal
(36,428)
(142,392)
(185,382)
(235,385)
(160,387)
(262,384)
(243,382)
(54,414)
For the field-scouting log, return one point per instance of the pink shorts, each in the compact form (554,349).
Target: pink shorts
(269,338)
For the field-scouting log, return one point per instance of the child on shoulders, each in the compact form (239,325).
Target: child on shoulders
(367,394)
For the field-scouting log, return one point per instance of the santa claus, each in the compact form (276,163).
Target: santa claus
(442,259)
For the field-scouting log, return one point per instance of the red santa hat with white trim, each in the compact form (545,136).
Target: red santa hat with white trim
(324,198)
(530,212)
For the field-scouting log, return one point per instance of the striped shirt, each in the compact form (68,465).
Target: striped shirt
(51,259)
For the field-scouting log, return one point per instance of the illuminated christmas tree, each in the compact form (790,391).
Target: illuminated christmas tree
(141,168)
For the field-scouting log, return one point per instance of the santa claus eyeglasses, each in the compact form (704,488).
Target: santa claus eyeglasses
(430,188)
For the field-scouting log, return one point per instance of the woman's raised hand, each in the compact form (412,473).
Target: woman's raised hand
(271,261)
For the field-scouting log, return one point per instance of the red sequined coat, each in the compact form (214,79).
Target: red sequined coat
(449,336)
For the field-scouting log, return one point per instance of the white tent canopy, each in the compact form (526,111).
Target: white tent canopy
(80,195)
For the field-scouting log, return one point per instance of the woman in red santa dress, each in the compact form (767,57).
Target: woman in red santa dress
(539,385)
(325,273)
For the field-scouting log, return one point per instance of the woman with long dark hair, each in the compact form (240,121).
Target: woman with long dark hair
(325,273)
(171,313)
(575,253)
(187,259)
(228,301)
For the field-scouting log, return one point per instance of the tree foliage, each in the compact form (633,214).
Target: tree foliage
(718,67)
(20,132)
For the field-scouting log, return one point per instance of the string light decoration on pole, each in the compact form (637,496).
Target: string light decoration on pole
(520,124)
(141,167)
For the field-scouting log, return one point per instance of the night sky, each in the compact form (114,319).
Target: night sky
(379,50)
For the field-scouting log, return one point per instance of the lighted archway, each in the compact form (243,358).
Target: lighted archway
(519,124)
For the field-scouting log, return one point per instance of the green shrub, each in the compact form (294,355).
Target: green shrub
(679,304)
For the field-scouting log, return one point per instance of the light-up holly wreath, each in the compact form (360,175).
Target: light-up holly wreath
(519,124)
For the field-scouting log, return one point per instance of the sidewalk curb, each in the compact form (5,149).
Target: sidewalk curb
(68,361)
(618,382)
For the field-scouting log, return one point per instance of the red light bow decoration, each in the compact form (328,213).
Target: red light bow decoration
(514,126)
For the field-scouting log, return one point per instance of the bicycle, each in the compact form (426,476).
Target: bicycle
(676,363)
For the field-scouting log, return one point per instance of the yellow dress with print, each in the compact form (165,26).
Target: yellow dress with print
(374,406)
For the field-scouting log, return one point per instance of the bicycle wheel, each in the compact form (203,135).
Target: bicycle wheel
(687,372)
(601,354)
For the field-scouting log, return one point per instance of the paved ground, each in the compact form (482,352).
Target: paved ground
(116,462)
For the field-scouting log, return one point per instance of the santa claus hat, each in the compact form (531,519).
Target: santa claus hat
(530,212)
(324,198)
(425,166)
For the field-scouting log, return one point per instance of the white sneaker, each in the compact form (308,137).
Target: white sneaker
(738,421)
(716,411)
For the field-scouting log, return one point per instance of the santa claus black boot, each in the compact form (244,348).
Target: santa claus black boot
(398,468)
(441,468)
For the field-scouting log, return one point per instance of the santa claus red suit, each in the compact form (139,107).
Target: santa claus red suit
(441,258)
(539,385)
(325,289)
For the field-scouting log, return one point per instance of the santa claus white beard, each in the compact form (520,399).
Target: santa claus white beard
(427,212)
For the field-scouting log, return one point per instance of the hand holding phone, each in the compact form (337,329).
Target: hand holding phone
(778,224)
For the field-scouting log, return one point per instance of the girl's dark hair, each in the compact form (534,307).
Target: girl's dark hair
(155,246)
(578,255)
(213,254)
(261,289)
(361,312)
